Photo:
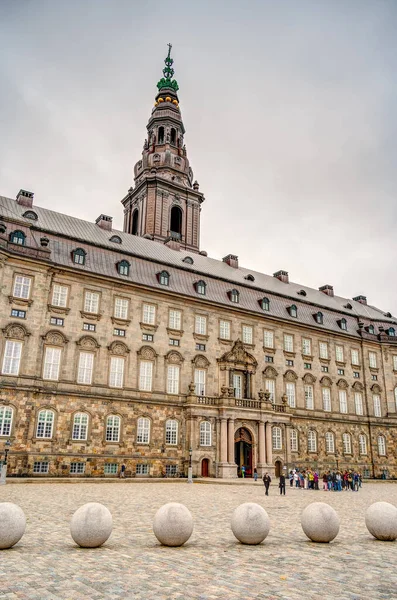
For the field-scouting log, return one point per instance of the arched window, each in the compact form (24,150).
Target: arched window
(391,332)
(205,433)
(78,256)
(113,428)
(160,135)
(123,267)
(80,426)
(362,444)
(265,304)
(45,424)
(319,318)
(294,440)
(171,432)
(164,278)
(188,260)
(277,438)
(200,287)
(143,430)
(249,277)
(135,220)
(347,443)
(176,222)
(116,239)
(312,441)
(6,414)
(18,237)
(173,136)
(30,214)
(343,324)
(329,442)
(234,296)
(381,445)
(293,311)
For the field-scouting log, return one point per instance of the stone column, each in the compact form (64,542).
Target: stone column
(261,442)
(223,440)
(269,443)
(230,441)
(248,384)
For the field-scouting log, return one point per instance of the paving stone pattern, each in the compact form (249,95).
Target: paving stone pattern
(47,565)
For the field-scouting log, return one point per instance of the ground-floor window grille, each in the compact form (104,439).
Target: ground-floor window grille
(77,468)
(171,470)
(110,469)
(142,470)
(41,466)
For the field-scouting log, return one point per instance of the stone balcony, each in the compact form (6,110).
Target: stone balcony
(231,401)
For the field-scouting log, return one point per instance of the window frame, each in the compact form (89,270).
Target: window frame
(13,344)
(81,253)
(277,438)
(311,441)
(171,432)
(79,427)
(47,432)
(50,365)
(6,420)
(112,428)
(143,431)
(205,433)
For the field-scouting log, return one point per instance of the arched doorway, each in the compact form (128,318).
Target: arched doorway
(243,451)
(135,217)
(278,468)
(205,467)
(176,221)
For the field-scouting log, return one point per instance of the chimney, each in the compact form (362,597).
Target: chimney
(25,198)
(361,299)
(282,276)
(231,260)
(104,222)
(327,289)
(172,243)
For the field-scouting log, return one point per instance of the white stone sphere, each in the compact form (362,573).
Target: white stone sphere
(320,522)
(381,521)
(12,524)
(250,523)
(173,524)
(91,525)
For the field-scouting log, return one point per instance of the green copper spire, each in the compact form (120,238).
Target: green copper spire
(168,72)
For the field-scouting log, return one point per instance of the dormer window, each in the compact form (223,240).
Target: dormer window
(265,303)
(301,293)
(249,277)
(115,239)
(30,214)
(18,237)
(164,278)
(343,324)
(234,296)
(319,318)
(348,306)
(188,260)
(293,311)
(371,329)
(388,315)
(123,267)
(391,332)
(78,256)
(200,287)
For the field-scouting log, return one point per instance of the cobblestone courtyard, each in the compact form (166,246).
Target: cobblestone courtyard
(46,564)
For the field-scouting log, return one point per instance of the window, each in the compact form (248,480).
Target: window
(171,432)
(200,287)
(306,346)
(339,355)
(269,359)
(200,347)
(12,358)
(173,379)
(200,325)
(91,302)
(268,339)
(116,239)
(343,401)
(288,343)
(45,423)
(391,332)
(59,295)
(355,357)
(307,366)
(247,334)
(147,337)
(160,135)
(372,360)
(80,426)
(41,466)
(234,296)
(110,469)
(323,348)
(149,314)
(371,329)
(174,319)
(78,256)
(176,223)
(171,470)
(164,278)
(324,369)
(52,361)
(173,136)
(205,433)
(356,374)
(121,308)
(326,399)
(265,304)
(142,469)
(123,267)
(309,397)
(116,373)
(277,439)
(224,330)
(377,408)
(18,237)
(343,324)
(358,401)
(291,394)
(341,371)
(5,420)
(312,441)
(145,376)
(381,445)
(22,287)
(77,468)
(30,214)
(56,321)
(347,443)
(89,327)
(188,260)
(174,342)
(293,438)
(19,314)
(143,430)
(374,377)
(270,386)
(113,428)
(329,442)
(319,318)
(84,371)
(395,363)
(119,332)
(293,311)
(199,380)
(362,444)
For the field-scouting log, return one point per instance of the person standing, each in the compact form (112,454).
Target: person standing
(243,472)
(122,472)
(281,485)
(267,481)
(255,474)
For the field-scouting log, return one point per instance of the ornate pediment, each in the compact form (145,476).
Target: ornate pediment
(270,373)
(326,381)
(290,375)
(238,355)
(358,386)
(309,378)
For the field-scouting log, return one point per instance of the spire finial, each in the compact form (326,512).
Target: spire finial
(168,72)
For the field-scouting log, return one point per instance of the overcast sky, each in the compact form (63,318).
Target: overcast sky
(289,108)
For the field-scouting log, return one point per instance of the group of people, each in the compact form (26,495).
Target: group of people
(335,481)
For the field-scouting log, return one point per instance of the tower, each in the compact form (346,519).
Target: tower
(165,203)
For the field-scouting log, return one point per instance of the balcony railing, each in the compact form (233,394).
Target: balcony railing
(239,403)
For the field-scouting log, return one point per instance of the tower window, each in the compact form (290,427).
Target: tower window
(173,136)
(135,220)
(176,222)
(123,267)
(78,256)
(164,278)
(234,296)
(160,135)
(201,287)
(265,304)
(18,237)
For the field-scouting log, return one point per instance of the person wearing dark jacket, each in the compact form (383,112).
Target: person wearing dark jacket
(281,485)
(267,480)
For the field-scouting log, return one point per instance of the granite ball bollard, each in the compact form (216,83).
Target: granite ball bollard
(12,524)
(381,521)
(91,525)
(250,523)
(320,522)
(173,524)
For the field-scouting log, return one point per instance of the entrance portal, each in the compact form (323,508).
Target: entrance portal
(278,468)
(243,451)
(205,467)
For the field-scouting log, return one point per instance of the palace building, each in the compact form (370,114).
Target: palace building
(134,347)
